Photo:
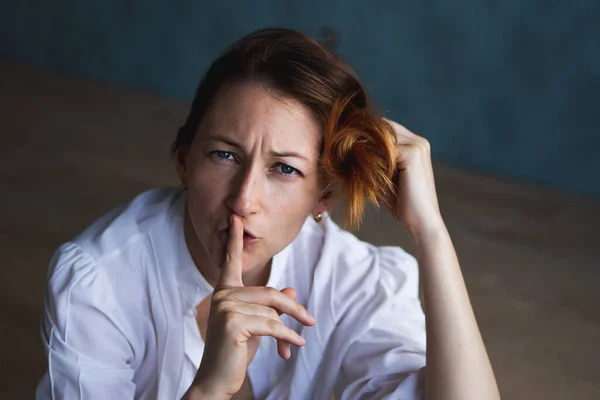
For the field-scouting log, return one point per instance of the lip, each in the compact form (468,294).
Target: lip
(249,238)
(246,231)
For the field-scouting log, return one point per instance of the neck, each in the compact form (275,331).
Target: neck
(257,276)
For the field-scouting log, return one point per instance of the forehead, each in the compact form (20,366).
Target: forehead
(252,111)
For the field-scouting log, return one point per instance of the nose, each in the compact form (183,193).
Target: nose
(244,197)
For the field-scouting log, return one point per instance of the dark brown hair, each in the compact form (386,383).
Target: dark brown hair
(358,149)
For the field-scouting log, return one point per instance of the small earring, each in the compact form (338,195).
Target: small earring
(318,217)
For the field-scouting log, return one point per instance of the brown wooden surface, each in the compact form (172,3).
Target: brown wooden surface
(72,149)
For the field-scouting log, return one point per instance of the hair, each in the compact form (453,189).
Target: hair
(358,148)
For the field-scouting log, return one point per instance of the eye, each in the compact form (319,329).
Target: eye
(223,155)
(287,170)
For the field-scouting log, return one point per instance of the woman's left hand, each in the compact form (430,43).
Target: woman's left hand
(414,202)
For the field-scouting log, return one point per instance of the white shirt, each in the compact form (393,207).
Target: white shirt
(119,319)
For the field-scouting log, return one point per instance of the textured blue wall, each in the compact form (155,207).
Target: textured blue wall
(504,87)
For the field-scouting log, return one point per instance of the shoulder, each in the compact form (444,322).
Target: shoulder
(106,266)
(74,278)
(84,325)
(127,223)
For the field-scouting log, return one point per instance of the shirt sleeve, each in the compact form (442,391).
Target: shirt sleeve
(88,354)
(385,357)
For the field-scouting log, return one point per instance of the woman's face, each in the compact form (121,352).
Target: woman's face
(254,155)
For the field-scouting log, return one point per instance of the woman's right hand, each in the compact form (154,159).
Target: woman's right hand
(238,317)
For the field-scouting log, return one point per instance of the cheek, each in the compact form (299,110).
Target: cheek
(205,198)
(209,187)
(288,211)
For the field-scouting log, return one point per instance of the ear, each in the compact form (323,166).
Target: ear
(322,205)
(181,163)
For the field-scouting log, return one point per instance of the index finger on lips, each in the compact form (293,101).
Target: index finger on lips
(231,269)
(271,297)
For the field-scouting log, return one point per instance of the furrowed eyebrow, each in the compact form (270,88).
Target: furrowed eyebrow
(277,154)
(225,140)
(287,154)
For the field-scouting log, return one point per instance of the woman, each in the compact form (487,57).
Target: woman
(169,296)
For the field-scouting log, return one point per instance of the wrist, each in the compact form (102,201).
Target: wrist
(428,228)
(426,235)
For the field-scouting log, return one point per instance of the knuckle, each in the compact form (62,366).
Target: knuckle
(271,293)
(272,313)
(222,307)
(230,322)
(219,296)
(412,148)
(272,324)
(393,123)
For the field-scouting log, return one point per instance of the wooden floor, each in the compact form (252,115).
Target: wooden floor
(71,149)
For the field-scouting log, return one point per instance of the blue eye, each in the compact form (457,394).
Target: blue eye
(223,155)
(287,170)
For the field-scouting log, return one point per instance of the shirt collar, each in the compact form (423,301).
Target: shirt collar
(192,285)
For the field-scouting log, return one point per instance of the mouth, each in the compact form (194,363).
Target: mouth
(249,238)
(249,234)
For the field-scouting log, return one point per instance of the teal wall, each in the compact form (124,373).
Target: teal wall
(509,88)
